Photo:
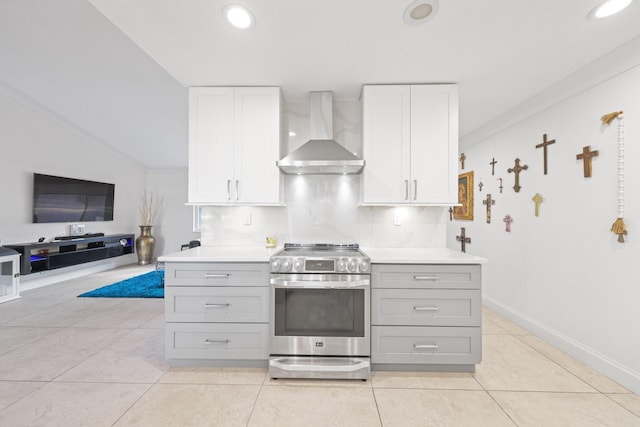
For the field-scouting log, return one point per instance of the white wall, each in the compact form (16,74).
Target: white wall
(33,139)
(174,225)
(325,208)
(563,275)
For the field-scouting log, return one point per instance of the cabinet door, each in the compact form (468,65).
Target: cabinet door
(211,128)
(386,140)
(434,144)
(257,145)
(9,278)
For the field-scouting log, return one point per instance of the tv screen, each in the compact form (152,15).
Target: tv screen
(58,199)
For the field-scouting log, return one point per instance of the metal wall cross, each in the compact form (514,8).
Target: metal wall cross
(537,199)
(463,239)
(586,156)
(517,169)
(493,165)
(489,202)
(500,186)
(462,159)
(544,145)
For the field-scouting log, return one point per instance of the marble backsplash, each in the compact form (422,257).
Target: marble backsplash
(324,209)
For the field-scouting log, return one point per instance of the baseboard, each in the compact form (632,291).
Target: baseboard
(45,278)
(608,367)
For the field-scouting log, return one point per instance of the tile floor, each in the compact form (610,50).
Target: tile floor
(67,361)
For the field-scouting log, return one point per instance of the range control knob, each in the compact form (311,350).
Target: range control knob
(363,266)
(276,264)
(298,264)
(341,266)
(286,265)
(352,266)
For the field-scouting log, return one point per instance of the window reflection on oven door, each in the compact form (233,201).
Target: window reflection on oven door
(320,315)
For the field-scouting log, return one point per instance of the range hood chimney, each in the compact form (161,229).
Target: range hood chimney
(321,155)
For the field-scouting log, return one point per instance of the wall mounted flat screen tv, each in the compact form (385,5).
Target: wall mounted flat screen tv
(58,199)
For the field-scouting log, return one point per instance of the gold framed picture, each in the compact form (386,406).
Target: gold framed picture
(465,197)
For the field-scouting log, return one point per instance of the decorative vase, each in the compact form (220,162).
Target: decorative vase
(145,244)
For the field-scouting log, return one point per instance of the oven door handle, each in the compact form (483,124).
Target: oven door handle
(320,284)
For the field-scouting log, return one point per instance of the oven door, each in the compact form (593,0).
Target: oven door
(320,315)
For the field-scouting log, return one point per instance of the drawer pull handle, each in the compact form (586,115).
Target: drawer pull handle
(430,278)
(425,346)
(425,308)
(208,341)
(208,305)
(216,276)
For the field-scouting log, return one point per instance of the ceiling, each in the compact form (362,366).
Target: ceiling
(118,69)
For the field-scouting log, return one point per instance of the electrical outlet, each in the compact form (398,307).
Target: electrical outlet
(246,218)
(397,218)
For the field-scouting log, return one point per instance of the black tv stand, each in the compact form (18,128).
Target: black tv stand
(80,236)
(37,257)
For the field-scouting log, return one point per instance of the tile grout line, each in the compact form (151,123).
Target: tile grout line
(255,401)
(491,396)
(558,364)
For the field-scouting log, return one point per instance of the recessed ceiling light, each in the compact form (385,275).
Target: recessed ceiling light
(608,8)
(420,11)
(239,16)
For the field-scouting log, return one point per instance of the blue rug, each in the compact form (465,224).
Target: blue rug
(148,285)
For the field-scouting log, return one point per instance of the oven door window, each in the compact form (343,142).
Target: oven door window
(319,312)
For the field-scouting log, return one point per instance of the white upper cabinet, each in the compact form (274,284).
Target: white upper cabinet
(410,141)
(234,143)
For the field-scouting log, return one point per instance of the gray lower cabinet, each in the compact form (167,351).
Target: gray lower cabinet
(426,317)
(217,311)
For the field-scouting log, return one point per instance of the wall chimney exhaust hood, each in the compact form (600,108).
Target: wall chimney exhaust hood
(321,155)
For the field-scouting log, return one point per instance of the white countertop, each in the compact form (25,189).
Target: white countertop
(377,255)
(221,254)
(421,256)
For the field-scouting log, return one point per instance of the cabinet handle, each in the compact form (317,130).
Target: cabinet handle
(208,341)
(237,190)
(425,346)
(429,278)
(228,189)
(415,189)
(406,189)
(209,305)
(433,308)
(216,276)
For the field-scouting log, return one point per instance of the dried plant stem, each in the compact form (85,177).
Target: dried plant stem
(149,207)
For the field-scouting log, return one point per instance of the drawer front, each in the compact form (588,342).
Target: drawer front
(217,341)
(217,274)
(425,345)
(217,304)
(425,276)
(425,307)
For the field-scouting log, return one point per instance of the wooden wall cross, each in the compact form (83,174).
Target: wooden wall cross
(537,199)
(517,169)
(544,145)
(493,165)
(489,202)
(508,220)
(586,156)
(450,213)
(463,239)
(462,159)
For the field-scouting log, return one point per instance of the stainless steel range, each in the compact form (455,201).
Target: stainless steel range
(320,321)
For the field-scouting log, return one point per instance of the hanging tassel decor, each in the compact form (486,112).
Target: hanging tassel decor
(618,226)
